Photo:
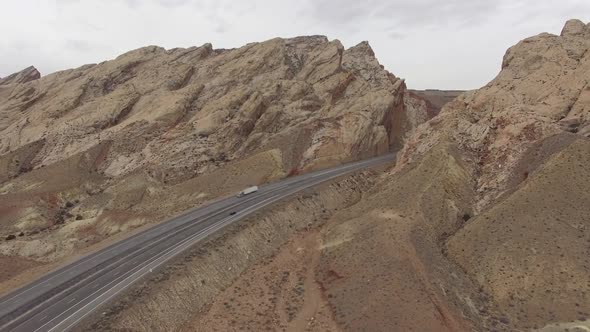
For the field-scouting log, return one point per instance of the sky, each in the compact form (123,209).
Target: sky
(452,44)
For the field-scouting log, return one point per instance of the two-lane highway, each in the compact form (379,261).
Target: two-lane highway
(62,298)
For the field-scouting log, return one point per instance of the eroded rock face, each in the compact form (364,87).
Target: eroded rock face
(522,146)
(574,28)
(483,224)
(437,98)
(26,75)
(155,118)
(542,90)
(213,101)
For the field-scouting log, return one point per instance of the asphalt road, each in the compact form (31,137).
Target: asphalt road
(62,298)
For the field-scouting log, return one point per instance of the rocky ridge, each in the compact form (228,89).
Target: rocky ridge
(513,223)
(542,90)
(26,75)
(437,99)
(483,223)
(97,150)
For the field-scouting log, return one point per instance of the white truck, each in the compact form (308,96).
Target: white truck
(247,191)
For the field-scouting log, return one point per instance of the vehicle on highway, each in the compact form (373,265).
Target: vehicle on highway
(247,191)
(62,299)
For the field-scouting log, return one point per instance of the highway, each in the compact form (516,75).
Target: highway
(61,299)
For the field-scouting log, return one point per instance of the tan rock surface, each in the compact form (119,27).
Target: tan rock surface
(523,139)
(26,75)
(90,152)
(530,251)
(260,273)
(437,98)
(541,91)
(483,224)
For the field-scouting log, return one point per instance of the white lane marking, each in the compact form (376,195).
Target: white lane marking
(186,226)
(72,300)
(137,270)
(339,172)
(358,164)
(116,246)
(216,227)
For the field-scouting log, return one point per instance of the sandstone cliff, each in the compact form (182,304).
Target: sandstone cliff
(485,216)
(437,99)
(482,225)
(89,152)
(26,75)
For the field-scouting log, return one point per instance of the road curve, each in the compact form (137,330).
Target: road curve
(62,298)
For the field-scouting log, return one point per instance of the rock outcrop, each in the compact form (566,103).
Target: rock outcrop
(437,99)
(483,223)
(542,90)
(26,75)
(481,226)
(509,207)
(96,150)
(575,28)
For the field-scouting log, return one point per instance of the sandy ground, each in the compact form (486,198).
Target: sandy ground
(280,294)
(190,286)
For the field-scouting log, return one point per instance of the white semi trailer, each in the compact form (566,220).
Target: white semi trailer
(248,190)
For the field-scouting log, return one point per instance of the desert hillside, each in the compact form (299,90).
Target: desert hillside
(437,98)
(485,217)
(26,75)
(98,150)
(483,225)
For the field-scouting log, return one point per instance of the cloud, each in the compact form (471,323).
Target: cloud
(341,12)
(433,44)
(396,35)
(77,45)
(173,3)
(416,13)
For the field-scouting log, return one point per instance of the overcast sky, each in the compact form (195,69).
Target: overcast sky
(451,44)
